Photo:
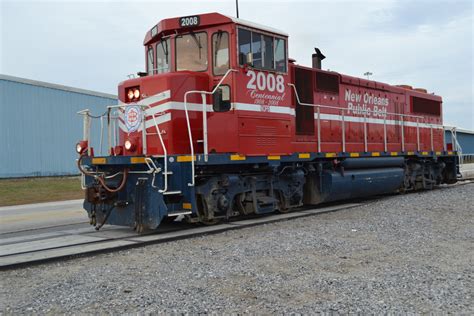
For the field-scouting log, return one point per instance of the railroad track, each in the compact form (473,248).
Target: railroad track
(34,246)
(42,245)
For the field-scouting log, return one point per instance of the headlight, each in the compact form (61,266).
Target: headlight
(128,145)
(136,93)
(130,94)
(81,147)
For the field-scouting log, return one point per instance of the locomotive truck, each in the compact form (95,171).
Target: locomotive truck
(223,123)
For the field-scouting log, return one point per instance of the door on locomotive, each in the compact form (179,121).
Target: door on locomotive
(259,118)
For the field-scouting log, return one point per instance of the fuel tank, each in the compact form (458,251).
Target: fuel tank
(332,185)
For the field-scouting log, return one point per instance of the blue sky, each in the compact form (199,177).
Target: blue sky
(94,45)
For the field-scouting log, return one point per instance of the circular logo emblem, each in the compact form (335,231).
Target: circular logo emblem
(133,117)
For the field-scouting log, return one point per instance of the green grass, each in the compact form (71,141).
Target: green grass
(36,190)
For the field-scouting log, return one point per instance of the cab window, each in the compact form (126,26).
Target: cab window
(256,49)
(267,45)
(280,55)
(220,53)
(266,51)
(150,61)
(162,56)
(244,44)
(191,52)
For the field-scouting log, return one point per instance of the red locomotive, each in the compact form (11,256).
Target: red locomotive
(223,123)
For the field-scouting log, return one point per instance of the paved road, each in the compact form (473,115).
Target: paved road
(467,171)
(41,215)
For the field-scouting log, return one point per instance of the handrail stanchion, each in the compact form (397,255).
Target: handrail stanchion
(145,149)
(432,141)
(444,139)
(109,132)
(319,128)
(204,125)
(385,133)
(365,132)
(190,138)
(403,133)
(86,131)
(418,134)
(115,132)
(343,132)
(101,134)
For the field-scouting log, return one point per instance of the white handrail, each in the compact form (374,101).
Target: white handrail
(456,146)
(165,152)
(318,106)
(341,108)
(204,126)
(86,127)
(158,132)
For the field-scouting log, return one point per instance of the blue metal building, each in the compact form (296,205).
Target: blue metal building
(465,139)
(39,127)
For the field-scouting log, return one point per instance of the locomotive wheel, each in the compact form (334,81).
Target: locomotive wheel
(281,202)
(204,213)
(210,222)
(142,229)
(283,210)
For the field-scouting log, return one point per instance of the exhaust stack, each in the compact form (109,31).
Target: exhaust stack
(317,58)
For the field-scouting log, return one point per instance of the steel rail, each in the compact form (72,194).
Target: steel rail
(131,240)
(108,240)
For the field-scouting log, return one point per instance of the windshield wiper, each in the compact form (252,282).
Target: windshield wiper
(165,48)
(198,42)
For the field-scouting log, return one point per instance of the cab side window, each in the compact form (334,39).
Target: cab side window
(220,53)
(257,50)
(150,61)
(262,51)
(267,45)
(245,38)
(280,55)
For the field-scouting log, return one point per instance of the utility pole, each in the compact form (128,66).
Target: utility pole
(368,74)
(237,7)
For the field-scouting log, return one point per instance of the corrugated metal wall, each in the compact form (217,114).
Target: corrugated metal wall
(465,139)
(39,128)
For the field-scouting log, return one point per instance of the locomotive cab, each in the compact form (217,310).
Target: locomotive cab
(241,66)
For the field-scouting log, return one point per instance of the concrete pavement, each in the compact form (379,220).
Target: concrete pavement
(41,215)
(467,171)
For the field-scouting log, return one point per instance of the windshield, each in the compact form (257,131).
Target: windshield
(191,52)
(162,56)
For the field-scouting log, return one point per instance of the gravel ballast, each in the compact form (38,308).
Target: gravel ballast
(403,253)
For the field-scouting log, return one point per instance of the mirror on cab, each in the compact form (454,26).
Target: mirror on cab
(221,99)
(246,59)
(249,59)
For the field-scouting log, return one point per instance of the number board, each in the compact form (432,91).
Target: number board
(189,21)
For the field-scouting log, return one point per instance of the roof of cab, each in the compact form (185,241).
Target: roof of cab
(168,26)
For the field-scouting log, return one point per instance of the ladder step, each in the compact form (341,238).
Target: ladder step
(200,141)
(168,172)
(171,192)
(177,213)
